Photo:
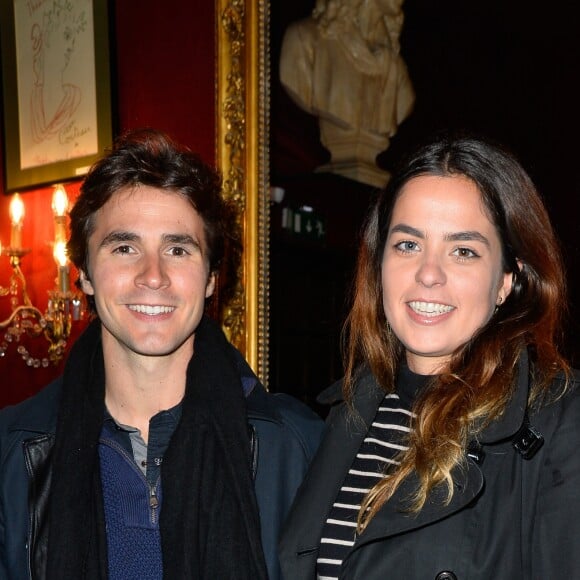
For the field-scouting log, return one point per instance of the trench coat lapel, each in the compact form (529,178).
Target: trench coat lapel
(345,432)
(514,415)
(468,481)
(392,520)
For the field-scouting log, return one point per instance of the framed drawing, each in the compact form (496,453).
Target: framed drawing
(56,89)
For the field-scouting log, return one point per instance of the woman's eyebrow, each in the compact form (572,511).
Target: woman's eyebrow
(467,236)
(406,229)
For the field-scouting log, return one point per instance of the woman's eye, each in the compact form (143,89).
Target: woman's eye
(465,253)
(406,246)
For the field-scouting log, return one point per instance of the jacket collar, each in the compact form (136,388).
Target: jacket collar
(513,417)
(347,431)
(468,481)
(501,429)
(390,520)
(259,404)
(38,413)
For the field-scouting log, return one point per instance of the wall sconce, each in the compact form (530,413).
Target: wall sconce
(63,307)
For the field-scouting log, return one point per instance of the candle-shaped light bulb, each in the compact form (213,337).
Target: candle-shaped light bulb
(16,211)
(62,261)
(59,208)
(59,201)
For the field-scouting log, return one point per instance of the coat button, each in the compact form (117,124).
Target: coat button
(446,575)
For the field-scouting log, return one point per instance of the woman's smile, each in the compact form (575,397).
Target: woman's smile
(442,271)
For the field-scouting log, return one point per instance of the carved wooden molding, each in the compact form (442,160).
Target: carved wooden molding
(243,98)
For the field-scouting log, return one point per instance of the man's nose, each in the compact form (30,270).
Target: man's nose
(152,273)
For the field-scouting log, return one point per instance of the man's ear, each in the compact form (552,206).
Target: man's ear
(210,286)
(86,284)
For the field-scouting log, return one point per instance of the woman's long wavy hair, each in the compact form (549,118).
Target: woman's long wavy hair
(478,383)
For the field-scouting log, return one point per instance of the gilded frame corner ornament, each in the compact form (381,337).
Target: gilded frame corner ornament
(243,86)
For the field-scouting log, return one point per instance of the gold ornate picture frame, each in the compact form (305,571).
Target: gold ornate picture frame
(243,86)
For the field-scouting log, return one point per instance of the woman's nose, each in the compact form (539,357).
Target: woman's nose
(430,272)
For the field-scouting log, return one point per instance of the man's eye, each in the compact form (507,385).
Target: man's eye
(122,250)
(178,251)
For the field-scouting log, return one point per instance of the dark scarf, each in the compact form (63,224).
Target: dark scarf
(209,518)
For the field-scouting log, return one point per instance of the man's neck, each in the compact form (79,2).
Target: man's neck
(137,387)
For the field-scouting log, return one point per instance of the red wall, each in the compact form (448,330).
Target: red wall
(163,73)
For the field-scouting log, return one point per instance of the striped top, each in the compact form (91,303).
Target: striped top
(384,440)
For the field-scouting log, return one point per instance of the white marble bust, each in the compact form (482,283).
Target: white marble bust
(343,65)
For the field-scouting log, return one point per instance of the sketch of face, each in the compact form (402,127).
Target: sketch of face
(36,38)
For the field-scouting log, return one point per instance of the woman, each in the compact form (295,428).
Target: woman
(452,451)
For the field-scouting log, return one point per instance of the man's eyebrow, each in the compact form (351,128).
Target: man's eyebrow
(183,239)
(116,237)
(123,236)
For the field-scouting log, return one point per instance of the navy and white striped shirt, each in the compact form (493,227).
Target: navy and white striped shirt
(384,441)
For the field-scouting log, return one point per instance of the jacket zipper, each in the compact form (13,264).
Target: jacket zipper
(153,503)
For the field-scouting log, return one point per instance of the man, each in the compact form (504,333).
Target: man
(157,453)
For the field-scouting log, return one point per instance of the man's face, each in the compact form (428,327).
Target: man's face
(148,272)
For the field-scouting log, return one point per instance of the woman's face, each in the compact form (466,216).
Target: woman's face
(442,274)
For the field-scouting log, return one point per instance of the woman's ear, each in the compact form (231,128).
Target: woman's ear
(505,288)
(86,285)
(509,278)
